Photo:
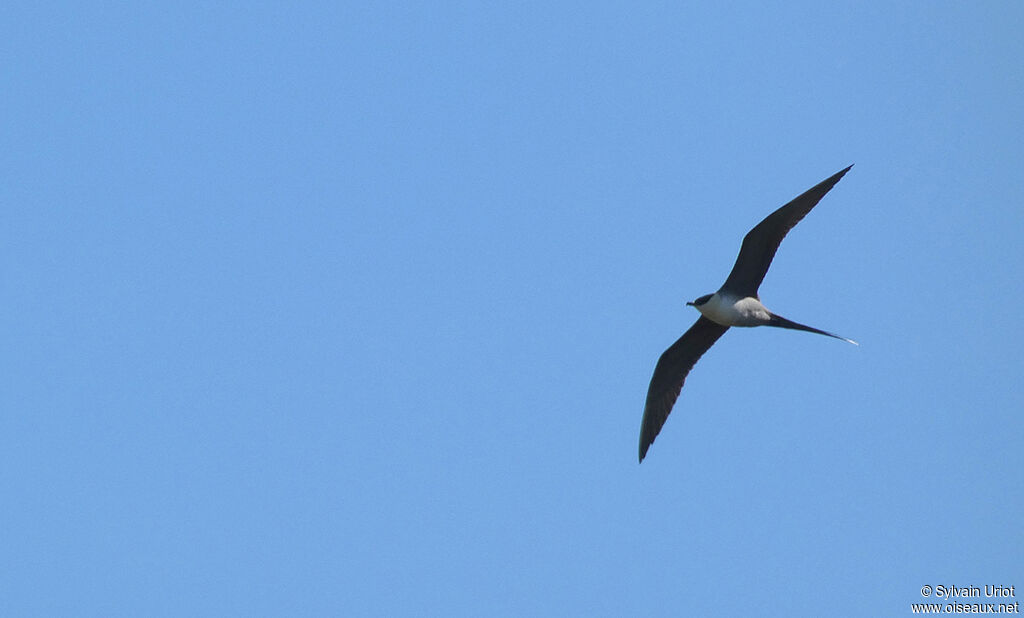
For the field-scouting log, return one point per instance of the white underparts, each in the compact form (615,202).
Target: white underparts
(729,311)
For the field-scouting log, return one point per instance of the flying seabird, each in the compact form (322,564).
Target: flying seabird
(735,304)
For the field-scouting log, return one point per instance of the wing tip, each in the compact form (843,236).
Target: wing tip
(646,440)
(838,175)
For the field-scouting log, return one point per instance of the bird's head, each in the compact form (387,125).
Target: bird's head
(700,301)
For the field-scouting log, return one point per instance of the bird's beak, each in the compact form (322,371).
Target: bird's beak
(690,304)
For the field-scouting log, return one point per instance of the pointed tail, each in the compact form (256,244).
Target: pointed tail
(781,322)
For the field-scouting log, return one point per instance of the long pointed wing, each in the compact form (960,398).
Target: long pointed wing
(670,373)
(761,243)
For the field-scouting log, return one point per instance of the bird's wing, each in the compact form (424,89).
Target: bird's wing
(761,243)
(670,373)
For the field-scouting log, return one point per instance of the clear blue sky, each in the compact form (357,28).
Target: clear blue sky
(331,309)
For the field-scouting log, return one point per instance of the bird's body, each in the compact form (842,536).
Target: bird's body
(730,310)
(736,303)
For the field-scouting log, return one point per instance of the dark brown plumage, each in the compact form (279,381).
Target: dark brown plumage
(761,243)
(671,372)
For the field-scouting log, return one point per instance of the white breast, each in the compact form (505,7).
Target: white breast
(729,311)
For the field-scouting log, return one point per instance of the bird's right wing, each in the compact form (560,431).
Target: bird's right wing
(761,243)
(670,373)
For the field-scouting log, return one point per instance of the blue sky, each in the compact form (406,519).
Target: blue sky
(338,309)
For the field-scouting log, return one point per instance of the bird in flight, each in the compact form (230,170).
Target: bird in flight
(735,304)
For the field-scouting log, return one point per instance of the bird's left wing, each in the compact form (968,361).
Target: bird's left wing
(761,243)
(670,373)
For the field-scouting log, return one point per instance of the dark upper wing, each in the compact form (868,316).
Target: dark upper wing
(761,243)
(670,373)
